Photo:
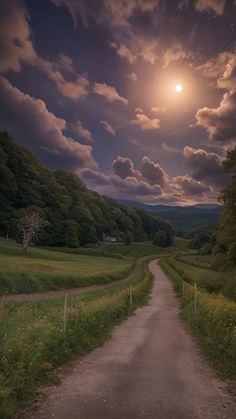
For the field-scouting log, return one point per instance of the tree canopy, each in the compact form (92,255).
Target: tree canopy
(224,249)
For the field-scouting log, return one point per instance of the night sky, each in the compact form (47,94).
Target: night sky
(90,86)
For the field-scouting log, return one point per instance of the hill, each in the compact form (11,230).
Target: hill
(75,215)
(184,217)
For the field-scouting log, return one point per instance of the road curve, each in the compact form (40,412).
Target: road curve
(151,368)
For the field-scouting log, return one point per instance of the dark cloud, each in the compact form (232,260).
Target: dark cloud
(97,178)
(134,186)
(190,186)
(15,36)
(113,12)
(33,125)
(220,122)
(206,167)
(153,172)
(81,131)
(123,167)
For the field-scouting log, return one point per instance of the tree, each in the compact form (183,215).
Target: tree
(160,239)
(28,228)
(128,238)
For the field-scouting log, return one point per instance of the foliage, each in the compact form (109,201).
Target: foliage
(128,238)
(199,240)
(76,216)
(214,323)
(33,343)
(224,249)
(160,239)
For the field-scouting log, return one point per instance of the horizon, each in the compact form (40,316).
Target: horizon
(103,90)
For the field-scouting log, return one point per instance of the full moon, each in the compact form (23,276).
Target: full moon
(178,88)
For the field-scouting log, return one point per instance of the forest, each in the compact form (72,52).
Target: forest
(75,215)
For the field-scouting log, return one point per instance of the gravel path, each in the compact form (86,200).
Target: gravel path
(151,368)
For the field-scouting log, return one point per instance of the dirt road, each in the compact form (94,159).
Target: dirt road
(47,295)
(151,368)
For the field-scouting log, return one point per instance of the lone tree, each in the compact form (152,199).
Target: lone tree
(28,228)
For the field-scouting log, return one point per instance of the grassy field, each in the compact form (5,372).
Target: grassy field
(192,270)
(44,269)
(34,339)
(134,251)
(180,243)
(214,323)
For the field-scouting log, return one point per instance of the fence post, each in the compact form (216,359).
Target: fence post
(195,298)
(183,288)
(65,314)
(130,294)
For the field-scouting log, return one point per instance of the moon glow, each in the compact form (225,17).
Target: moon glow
(178,88)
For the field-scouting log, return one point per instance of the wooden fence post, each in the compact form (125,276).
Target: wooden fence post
(195,298)
(130,294)
(65,314)
(183,288)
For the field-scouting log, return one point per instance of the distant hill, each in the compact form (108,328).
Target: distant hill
(186,217)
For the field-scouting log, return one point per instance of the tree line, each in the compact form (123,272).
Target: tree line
(74,215)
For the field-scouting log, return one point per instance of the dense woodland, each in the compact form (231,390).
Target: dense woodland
(223,240)
(75,215)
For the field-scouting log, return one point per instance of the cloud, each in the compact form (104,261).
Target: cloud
(124,52)
(190,186)
(147,50)
(175,53)
(108,92)
(134,186)
(115,13)
(206,167)
(182,4)
(157,109)
(220,123)
(216,6)
(29,120)
(145,123)
(169,149)
(95,177)
(132,77)
(151,183)
(16,47)
(216,66)
(108,128)
(81,131)
(72,89)
(228,79)
(153,172)
(15,36)
(123,167)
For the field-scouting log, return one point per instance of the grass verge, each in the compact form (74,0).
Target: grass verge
(214,323)
(33,339)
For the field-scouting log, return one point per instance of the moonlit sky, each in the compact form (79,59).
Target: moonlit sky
(90,86)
